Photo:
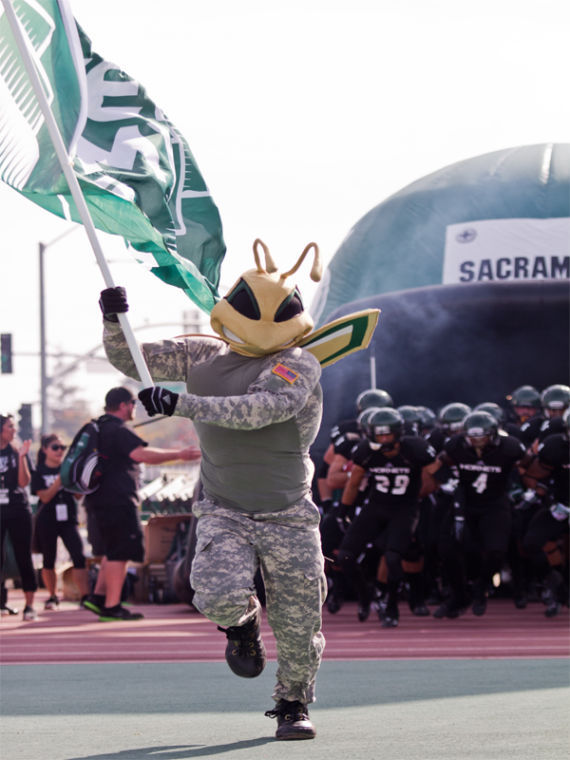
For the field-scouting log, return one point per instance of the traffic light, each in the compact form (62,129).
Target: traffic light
(6,346)
(25,425)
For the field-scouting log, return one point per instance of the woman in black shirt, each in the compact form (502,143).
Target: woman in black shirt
(57,517)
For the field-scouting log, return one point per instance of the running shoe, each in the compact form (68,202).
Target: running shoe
(110,614)
(94,603)
(52,603)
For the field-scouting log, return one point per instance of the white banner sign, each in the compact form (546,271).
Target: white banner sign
(492,250)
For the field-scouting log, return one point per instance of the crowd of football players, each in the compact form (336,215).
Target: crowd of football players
(445,509)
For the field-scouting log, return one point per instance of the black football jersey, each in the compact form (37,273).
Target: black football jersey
(398,479)
(529,430)
(551,426)
(342,428)
(346,444)
(555,452)
(437,437)
(484,479)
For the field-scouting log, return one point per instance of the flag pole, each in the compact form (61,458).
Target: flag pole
(23,44)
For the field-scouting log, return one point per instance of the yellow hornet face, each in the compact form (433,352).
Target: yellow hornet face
(261,314)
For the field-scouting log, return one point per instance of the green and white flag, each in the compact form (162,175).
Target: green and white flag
(136,171)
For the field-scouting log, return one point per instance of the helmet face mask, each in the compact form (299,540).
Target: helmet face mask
(525,413)
(385,423)
(478,442)
(525,401)
(384,442)
(555,400)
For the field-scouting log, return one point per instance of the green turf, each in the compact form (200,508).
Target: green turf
(394,710)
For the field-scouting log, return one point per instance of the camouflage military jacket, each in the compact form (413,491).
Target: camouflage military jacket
(256,417)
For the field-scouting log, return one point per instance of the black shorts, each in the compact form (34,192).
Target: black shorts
(48,530)
(121,533)
(94,534)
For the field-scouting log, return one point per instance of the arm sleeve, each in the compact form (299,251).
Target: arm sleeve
(270,399)
(127,440)
(361,454)
(547,454)
(166,359)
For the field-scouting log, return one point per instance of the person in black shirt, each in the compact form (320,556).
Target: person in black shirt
(395,465)
(15,512)
(555,401)
(115,503)
(56,517)
(344,437)
(549,473)
(477,528)
(526,407)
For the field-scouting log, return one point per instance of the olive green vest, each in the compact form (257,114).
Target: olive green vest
(263,470)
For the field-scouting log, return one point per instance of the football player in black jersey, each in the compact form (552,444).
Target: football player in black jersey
(394,465)
(324,493)
(344,437)
(371,397)
(555,401)
(475,535)
(428,420)
(550,470)
(335,523)
(343,431)
(526,411)
(524,505)
(449,421)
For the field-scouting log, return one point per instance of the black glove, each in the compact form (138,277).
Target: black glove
(157,400)
(113,301)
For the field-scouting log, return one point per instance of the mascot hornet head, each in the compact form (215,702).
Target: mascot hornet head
(262,313)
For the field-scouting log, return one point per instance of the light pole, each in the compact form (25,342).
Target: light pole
(42,247)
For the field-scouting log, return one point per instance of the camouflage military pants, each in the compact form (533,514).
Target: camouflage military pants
(230,546)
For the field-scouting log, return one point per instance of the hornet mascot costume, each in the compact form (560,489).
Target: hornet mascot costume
(255,400)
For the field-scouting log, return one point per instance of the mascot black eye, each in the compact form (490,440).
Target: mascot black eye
(243,301)
(290,307)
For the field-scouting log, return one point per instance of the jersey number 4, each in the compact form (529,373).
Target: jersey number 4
(480,484)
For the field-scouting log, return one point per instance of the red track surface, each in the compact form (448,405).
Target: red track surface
(176,633)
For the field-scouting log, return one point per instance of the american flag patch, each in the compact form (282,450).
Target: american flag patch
(287,374)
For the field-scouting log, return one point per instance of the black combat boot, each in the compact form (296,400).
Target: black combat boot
(292,720)
(245,653)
